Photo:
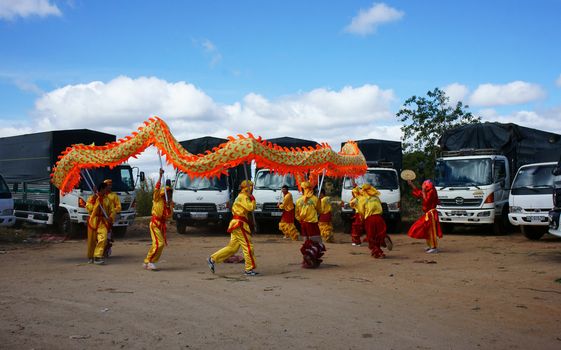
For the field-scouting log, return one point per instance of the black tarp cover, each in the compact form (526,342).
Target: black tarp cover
(202,144)
(31,157)
(292,142)
(375,150)
(520,144)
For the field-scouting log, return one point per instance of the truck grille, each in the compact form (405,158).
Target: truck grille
(270,207)
(461,202)
(199,207)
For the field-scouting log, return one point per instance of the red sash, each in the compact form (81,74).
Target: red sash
(161,224)
(325,217)
(287,216)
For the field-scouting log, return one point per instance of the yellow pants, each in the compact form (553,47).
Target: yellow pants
(432,241)
(158,244)
(237,238)
(101,238)
(326,231)
(91,243)
(289,230)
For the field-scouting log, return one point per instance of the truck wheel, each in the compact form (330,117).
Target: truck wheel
(67,227)
(502,226)
(119,231)
(181,227)
(347,226)
(533,233)
(394,226)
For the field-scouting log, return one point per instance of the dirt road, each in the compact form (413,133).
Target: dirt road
(480,292)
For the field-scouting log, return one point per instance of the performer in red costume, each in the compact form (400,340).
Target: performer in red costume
(428,226)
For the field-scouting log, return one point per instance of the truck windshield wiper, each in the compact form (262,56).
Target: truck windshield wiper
(526,188)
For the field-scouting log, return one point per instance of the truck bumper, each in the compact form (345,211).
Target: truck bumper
(124,219)
(35,217)
(7,220)
(219,216)
(268,215)
(523,219)
(467,216)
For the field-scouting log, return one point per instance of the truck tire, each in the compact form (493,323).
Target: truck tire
(181,227)
(533,233)
(66,227)
(394,226)
(347,226)
(119,231)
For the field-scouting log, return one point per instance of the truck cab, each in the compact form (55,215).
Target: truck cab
(7,217)
(530,198)
(473,188)
(267,192)
(385,179)
(201,200)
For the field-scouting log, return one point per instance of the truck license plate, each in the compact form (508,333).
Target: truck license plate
(276,213)
(459,212)
(535,218)
(199,216)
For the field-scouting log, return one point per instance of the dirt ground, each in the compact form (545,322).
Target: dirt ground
(479,292)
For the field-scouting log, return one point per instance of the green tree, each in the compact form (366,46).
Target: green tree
(144,198)
(424,120)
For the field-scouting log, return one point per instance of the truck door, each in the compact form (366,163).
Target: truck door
(501,179)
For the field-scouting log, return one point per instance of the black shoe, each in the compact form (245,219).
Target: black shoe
(251,273)
(210,264)
(99,261)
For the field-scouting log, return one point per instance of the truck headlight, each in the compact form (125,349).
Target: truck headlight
(259,206)
(222,206)
(515,209)
(394,206)
(177,206)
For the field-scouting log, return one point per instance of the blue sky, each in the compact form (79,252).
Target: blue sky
(323,70)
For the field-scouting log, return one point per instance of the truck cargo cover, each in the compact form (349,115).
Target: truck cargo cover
(381,151)
(520,144)
(202,144)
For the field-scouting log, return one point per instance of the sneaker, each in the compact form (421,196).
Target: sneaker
(210,264)
(99,261)
(432,251)
(151,267)
(356,244)
(389,243)
(251,273)
(90,261)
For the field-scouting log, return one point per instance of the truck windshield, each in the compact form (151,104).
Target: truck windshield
(120,175)
(265,179)
(534,180)
(4,190)
(184,182)
(464,172)
(381,179)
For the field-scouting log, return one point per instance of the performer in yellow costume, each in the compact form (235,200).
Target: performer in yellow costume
(374,224)
(307,208)
(102,215)
(161,211)
(325,224)
(114,198)
(286,224)
(240,231)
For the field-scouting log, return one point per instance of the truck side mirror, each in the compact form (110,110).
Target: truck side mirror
(142,176)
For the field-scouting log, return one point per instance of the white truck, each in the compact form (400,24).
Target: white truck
(475,170)
(530,198)
(384,159)
(200,201)
(7,217)
(27,161)
(554,228)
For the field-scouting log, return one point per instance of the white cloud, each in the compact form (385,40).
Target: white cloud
(10,9)
(547,120)
(517,92)
(456,92)
(367,21)
(210,50)
(558,81)
(122,104)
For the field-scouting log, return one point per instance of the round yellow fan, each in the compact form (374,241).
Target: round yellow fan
(408,175)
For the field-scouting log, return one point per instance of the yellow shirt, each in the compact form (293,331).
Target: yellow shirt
(116,201)
(307,209)
(287,202)
(243,205)
(325,206)
(372,206)
(357,203)
(158,205)
(96,214)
